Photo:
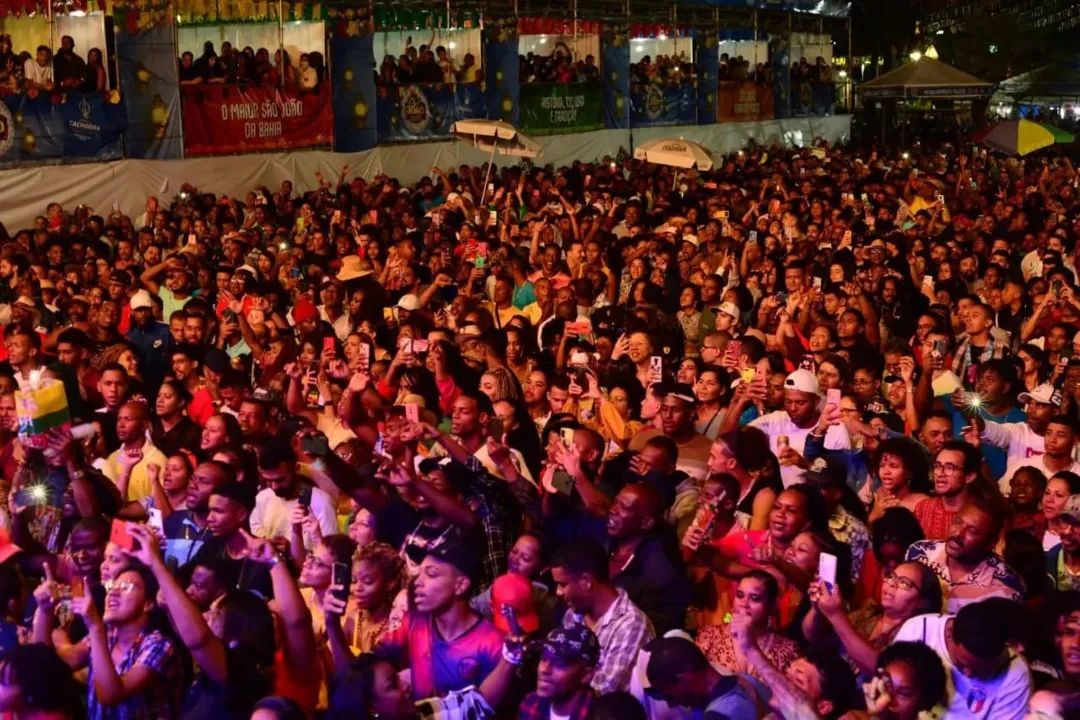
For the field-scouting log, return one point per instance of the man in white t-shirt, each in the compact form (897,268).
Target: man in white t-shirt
(788,428)
(986,679)
(38,70)
(1023,442)
(272,516)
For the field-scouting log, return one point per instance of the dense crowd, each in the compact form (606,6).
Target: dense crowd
(428,64)
(794,436)
(45,71)
(663,69)
(251,67)
(557,67)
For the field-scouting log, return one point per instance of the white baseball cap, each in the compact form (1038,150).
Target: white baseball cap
(803,381)
(730,308)
(1042,394)
(141,299)
(409,302)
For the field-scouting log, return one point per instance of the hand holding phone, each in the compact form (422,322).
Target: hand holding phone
(827,569)
(305,496)
(656,369)
(342,575)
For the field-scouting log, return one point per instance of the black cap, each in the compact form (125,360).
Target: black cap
(826,472)
(457,554)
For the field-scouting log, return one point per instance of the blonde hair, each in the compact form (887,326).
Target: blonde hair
(506,384)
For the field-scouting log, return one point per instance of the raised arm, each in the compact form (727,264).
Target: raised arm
(207,650)
(299,635)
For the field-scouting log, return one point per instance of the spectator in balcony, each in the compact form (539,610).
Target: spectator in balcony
(227,59)
(427,69)
(11,68)
(824,71)
(590,71)
(189,74)
(262,69)
(739,69)
(241,70)
(68,68)
(202,64)
(405,73)
(95,79)
(38,71)
(446,65)
(387,72)
(309,78)
(283,72)
(470,71)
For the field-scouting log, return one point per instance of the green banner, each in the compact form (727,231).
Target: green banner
(549,108)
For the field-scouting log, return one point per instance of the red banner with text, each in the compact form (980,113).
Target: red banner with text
(231,119)
(744,102)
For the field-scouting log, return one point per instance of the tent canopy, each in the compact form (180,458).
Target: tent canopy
(926,78)
(1055,79)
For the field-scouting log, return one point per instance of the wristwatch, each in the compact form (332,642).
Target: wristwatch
(276,559)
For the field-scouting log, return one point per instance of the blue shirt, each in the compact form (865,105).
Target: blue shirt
(524,295)
(996,459)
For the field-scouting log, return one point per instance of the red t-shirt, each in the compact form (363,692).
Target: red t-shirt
(201,406)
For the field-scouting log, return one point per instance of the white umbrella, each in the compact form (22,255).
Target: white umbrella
(681,154)
(498,136)
(493,136)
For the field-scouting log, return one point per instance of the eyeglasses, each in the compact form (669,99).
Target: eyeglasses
(901,583)
(947,468)
(123,588)
(316,562)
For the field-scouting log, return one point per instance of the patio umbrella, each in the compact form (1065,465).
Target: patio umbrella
(1061,137)
(681,154)
(493,136)
(1018,137)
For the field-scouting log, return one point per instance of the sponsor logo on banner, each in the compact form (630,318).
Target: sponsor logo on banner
(654,103)
(84,127)
(415,113)
(673,148)
(7,128)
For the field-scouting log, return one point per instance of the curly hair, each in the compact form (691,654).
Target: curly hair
(388,560)
(924,664)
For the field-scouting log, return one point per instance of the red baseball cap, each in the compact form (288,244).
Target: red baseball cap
(514,591)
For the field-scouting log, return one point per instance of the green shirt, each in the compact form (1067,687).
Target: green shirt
(170,303)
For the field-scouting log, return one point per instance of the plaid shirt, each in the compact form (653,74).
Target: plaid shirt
(490,501)
(622,631)
(161,698)
(534,707)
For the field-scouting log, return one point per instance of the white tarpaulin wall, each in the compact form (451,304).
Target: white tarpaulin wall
(25,192)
